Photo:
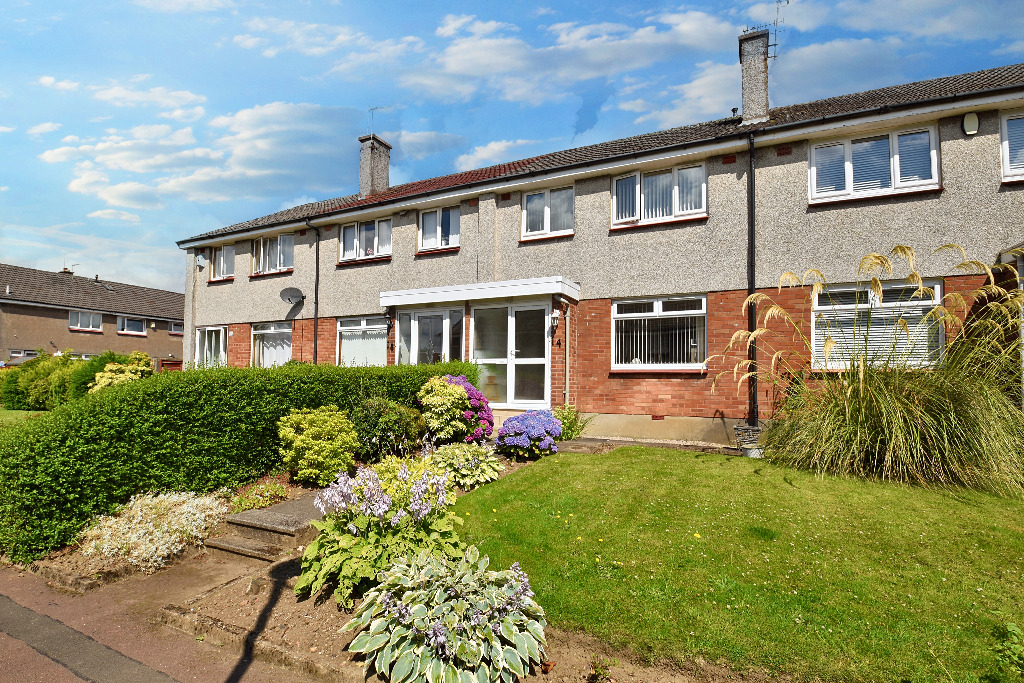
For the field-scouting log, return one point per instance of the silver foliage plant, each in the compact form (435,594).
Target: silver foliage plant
(468,464)
(450,621)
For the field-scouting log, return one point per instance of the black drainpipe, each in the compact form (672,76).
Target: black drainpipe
(752,409)
(316,293)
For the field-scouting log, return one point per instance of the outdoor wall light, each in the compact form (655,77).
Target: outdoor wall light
(555,315)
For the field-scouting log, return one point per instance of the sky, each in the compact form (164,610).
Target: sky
(127,125)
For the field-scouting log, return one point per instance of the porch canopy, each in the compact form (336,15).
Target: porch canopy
(477,291)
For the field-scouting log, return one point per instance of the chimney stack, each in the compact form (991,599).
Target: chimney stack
(374,165)
(754,65)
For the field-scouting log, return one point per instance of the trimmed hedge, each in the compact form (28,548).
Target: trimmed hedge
(196,430)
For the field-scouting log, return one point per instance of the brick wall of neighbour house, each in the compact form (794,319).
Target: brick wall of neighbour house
(239,345)
(29,328)
(715,393)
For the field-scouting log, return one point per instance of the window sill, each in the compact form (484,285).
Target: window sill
(638,225)
(1013,180)
(365,260)
(647,370)
(85,329)
(437,250)
(216,280)
(862,196)
(283,271)
(131,334)
(543,237)
(176,334)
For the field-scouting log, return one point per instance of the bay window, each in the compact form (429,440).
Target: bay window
(894,329)
(222,262)
(1012,147)
(368,239)
(271,344)
(548,212)
(439,228)
(659,334)
(659,196)
(363,341)
(85,320)
(889,163)
(272,254)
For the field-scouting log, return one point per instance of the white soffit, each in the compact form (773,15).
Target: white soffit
(482,290)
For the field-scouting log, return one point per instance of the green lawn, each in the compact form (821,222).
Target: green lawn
(676,554)
(8,417)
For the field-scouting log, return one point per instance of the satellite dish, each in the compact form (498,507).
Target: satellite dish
(201,260)
(292,295)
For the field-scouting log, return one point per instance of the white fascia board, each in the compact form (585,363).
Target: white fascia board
(478,291)
(19,302)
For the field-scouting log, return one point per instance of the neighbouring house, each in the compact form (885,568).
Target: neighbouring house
(607,276)
(52,312)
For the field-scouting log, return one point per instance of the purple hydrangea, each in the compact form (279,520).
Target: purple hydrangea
(480,413)
(531,434)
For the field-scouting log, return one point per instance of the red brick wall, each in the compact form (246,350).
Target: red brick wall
(239,345)
(327,342)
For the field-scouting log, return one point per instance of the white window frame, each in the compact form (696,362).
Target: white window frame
(270,328)
(898,186)
(821,305)
(547,231)
(414,315)
(25,353)
(94,317)
(1004,146)
(222,353)
(358,227)
(658,312)
(364,324)
(439,212)
(122,325)
(677,213)
(272,250)
(172,325)
(222,262)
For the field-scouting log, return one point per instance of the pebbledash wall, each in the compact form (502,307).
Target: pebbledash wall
(705,256)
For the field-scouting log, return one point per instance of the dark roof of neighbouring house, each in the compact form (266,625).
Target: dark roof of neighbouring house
(890,98)
(67,290)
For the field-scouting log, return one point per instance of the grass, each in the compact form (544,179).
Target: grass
(679,555)
(9,417)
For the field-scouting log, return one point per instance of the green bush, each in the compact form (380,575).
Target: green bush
(11,394)
(195,430)
(386,427)
(83,375)
(1009,648)
(469,465)
(440,619)
(573,422)
(138,366)
(317,444)
(40,384)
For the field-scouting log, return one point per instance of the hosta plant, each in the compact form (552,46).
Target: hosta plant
(365,529)
(469,465)
(451,621)
(529,435)
(455,410)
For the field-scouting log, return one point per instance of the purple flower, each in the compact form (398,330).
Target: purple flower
(437,638)
(532,433)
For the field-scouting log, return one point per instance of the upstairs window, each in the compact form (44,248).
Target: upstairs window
(1013,146)
(272,254)
(126,325)
(439,228)
(222,262)
(659,334)
(549,212)
(368,239)
(894,162)
(893,329)
(176,328)
(85,320)
(660,196)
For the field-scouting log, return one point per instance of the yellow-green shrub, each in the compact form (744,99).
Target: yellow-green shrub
(139,365)
(396,482)
(317,443)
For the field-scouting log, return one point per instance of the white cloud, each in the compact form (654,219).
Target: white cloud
(981,20)
(638,106)
(130,194)
(51,82)
(6,129)
(42,128)
(373,54)
(1015,47)
(802,15)
(174,6)
(248,42)
(421,144)
(184,115)
(114,215)
(298,201)
(123,96)
(452,23)
(4,188)
(835,68)
(711,95)
(308,39)
(489,154)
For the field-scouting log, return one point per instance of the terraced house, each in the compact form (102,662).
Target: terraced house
(608,275)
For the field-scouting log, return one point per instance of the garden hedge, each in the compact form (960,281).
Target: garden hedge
(196,430)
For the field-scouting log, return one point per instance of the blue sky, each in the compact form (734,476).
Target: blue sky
(127,125)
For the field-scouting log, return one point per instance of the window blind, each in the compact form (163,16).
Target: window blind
(691,186)
(1015,141)
(657,190)
(830,169)
(625,198)
(871,168)
(562,210)
(915,156)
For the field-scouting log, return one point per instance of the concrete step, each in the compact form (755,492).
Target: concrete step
(268,526)
(247,547)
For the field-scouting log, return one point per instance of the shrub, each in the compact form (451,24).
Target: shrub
(573,422)
(139,365)
(958,423)
(469,465)
(455,410)
(39,384)
(439,619)
(152,529)
(317,444)
(12,396)
(258,496)
(196,430)
(1009,648)
(529,435)
(395,475)
(386,427)
(83,375)
(365,530)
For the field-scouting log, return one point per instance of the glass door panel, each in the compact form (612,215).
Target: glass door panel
(530,337)
(494,382)
(490,339)
(430,340)
(529,357)
(529,382)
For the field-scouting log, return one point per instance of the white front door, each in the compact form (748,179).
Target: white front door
(510,344)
